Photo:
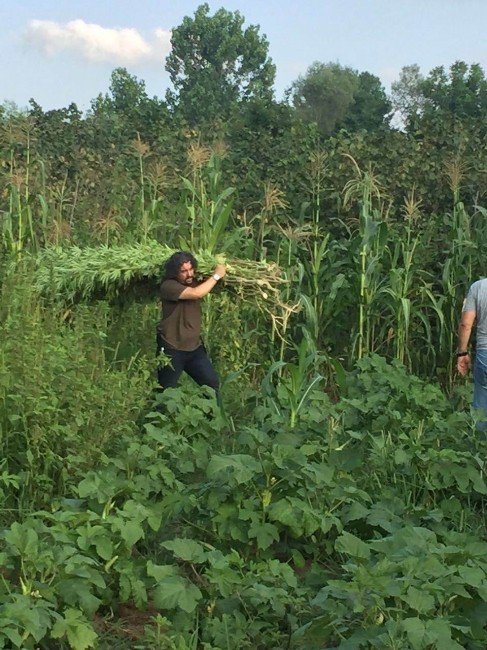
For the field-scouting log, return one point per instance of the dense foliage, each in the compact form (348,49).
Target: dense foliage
(336,497)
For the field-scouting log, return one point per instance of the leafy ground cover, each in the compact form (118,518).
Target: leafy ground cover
(359,523)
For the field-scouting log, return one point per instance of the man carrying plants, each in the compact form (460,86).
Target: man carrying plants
(475,309)
(179,330)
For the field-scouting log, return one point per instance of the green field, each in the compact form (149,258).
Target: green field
(337,497)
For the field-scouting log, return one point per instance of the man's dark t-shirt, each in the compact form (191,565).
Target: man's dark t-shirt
(180,325)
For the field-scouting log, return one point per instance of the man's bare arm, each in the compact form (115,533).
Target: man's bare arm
(464,333)
(195,293)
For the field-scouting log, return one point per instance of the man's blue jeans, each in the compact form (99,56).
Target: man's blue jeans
(480,389)
(196,364)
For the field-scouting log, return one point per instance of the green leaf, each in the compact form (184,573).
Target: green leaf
(282,511)
(473,576)
(174,592)
(161,571)
(79,632)
(340,374)
(89,486)
(298,559)
(77,591)
(186,549)
(104,547)
(11,634)
(264,533)
(131,532)
(439,632)
(23,538)
(381,516)
(241,467)
(356,511)
(415,631)
(352,545)
(402,457)
(419,600)
(154,518)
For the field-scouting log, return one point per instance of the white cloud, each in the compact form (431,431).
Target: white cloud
(163,39)
(95,43)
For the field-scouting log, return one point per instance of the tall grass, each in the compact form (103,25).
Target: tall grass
(62,403)
(18,227)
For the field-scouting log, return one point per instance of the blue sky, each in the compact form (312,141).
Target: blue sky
(58,51)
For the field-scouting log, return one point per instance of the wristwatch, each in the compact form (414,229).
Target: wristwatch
(462,354)
(216,277)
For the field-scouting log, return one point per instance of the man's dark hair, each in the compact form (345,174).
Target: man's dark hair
(175,262)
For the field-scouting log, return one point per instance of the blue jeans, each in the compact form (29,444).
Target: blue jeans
(195,363)
(480,389)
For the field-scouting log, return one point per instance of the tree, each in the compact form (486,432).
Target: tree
(371,108)
(457,95)
(337,97)
(461,92)
(60,136)
(407,93)
(127,111)
(324,94)
(215,63)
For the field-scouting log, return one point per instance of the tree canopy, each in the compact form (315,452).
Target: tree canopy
(127,110)
(216,62)
(459,94)
(335,96)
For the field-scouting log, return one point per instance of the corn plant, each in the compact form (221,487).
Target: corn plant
(295,384)
(317,250)
(370,241)
(399,293)
(158,179)
(457,270)
(209,208)
(142,150)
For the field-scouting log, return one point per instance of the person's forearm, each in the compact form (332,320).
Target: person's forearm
(194,293)
(464,332)
(205,287)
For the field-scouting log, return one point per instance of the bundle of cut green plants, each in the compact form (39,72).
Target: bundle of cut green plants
(78,272)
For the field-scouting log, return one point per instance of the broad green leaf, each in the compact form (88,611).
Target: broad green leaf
(104,547)
(240,466)
(356,511)
(174,592)
(23,538)
(282,511)
(420,600)
(154,519)
(473,576)
(439,633)
(264,533)
(11,634)
(77,592)
(402,457)
(131,532)
(89,486)
(161,571)
(352,545)
(186,549)
(79,632)
(415,630)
